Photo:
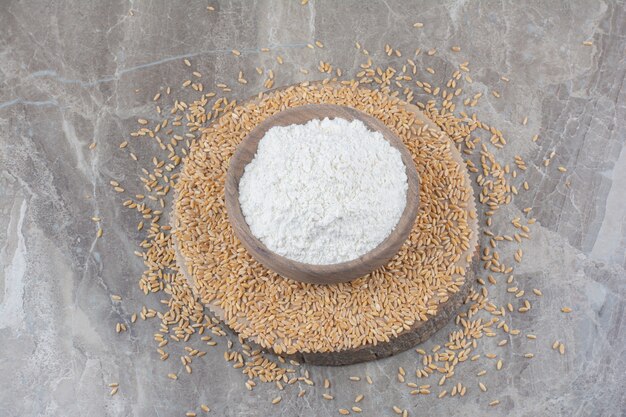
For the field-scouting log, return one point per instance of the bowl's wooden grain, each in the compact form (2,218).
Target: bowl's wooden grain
(318,274)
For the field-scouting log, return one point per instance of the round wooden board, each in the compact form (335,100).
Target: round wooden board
(421,330)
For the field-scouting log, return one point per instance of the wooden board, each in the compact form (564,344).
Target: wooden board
(421,330)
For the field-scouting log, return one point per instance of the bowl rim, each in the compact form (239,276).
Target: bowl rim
(314,273)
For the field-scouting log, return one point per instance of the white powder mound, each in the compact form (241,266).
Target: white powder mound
(324,192)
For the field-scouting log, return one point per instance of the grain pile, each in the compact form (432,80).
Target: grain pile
(260,305)
(185,132)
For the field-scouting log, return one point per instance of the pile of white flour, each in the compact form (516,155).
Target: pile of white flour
(324,192)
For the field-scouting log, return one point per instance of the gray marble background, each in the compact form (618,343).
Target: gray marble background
(75,72)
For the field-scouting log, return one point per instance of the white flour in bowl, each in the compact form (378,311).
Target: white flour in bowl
(324,192)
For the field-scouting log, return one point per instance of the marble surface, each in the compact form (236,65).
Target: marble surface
(76,72)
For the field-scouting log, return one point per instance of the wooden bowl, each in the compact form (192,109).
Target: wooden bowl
(318,274)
